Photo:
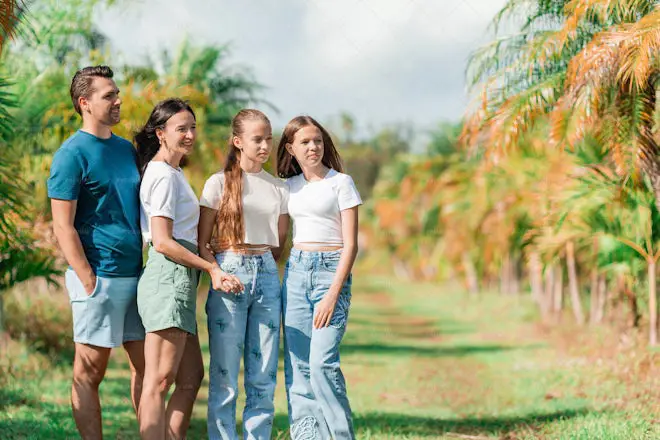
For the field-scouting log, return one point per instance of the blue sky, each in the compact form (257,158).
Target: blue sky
(384,61)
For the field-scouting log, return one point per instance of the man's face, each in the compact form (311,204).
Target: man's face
(103,103)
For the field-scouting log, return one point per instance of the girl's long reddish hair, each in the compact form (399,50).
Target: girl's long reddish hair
(229,227)
(287,165)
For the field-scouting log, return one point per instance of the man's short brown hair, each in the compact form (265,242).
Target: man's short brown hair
(81,85)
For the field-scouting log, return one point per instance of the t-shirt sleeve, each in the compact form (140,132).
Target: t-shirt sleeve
(163,196)
(348,196)
(212,193)
(284,202)
(65,176)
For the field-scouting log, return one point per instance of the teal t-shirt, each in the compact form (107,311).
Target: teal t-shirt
(102,175)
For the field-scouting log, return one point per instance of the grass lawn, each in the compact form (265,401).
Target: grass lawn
(421,361)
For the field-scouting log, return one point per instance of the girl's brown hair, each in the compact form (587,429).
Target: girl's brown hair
(229,227)
(287,165)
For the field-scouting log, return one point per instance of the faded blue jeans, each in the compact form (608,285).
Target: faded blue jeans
(244,325)
(315,385)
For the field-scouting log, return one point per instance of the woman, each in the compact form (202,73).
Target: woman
(167,289)
(323,203)
(243,220)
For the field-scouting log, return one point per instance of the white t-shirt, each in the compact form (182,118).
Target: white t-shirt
(315,206)
(264,199)
(165,192)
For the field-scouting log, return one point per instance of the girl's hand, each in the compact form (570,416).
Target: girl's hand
(221,280)
(324,310)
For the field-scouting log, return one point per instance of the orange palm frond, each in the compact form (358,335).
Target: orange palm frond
(640,44)
(10,11)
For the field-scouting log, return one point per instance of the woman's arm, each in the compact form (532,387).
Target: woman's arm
(282,232)
(349,230)
(207,217)
(161,236)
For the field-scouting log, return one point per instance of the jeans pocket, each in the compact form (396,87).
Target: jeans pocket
(340,314)
(269,264)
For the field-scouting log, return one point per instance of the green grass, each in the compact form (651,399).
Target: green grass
(422,361)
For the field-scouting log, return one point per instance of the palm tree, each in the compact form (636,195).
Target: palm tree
(20,259)
(592,67)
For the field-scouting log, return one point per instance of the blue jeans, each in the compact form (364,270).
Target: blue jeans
(315,385)
(244,325)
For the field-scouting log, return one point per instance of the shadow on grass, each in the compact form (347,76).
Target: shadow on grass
(409,350)
(408,425)
(14,397)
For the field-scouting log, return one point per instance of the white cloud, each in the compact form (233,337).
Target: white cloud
(382,60)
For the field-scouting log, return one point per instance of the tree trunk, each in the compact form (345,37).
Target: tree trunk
(549,281)
(535,277)
(558,298)
(514,277)
(594,297)
(602,299)
(470,273)
(573,283)
(505,273)
(653,305)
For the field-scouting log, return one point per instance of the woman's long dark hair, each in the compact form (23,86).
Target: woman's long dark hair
(145,140)
(287,165)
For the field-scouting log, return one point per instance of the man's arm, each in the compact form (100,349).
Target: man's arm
(64,212)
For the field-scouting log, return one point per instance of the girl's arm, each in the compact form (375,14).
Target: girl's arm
(282,232)
(349,230)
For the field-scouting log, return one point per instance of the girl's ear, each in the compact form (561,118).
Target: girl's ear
(159,135)
(236,141)
(289,148)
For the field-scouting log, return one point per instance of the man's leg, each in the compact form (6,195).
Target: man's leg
(89,367)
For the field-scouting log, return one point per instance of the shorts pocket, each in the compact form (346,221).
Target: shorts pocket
(76,289)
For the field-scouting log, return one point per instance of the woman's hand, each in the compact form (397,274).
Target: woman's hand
(221,280)
(324,310)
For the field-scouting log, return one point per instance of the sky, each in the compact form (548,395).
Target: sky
(382,61)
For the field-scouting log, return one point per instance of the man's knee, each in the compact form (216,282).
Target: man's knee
(88,373)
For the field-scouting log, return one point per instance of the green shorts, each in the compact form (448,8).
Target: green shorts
(167,293)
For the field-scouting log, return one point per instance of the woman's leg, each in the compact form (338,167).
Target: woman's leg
(187,383)
(262,341)
(226,319)
(327,379)
(163,350)
(305,415)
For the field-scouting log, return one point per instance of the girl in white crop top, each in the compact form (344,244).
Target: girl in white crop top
(323,204)
(242,225)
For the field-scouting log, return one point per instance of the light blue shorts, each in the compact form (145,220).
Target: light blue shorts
(109,316)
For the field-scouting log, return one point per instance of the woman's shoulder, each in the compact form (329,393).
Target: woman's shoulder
(218,177)
(275,181)
(157,170)
(339,177)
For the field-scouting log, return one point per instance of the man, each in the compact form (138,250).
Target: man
(93,186)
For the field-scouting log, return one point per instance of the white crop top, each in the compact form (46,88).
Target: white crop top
(265,198)
(165,192)
(315,206)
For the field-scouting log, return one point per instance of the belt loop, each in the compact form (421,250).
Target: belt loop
(255,270)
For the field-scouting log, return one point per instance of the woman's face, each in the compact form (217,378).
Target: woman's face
(307,146)
(256,141)
(179,133)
